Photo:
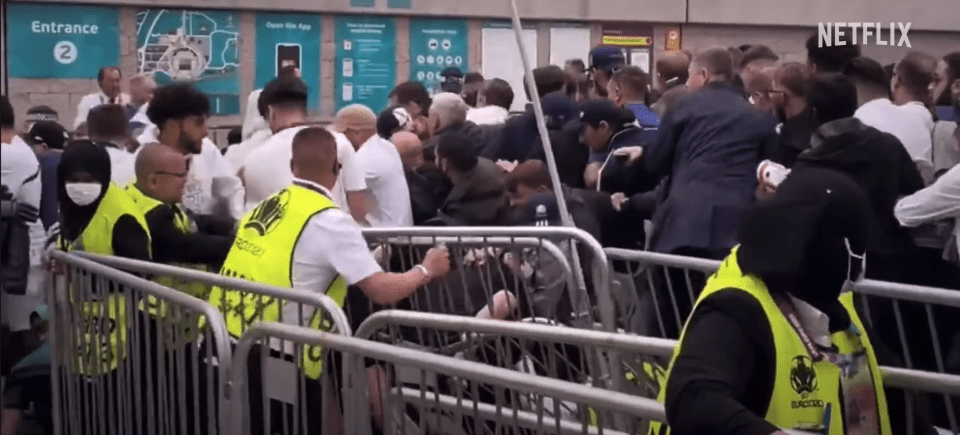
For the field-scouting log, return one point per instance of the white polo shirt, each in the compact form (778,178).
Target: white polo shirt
(93,100)
(267,169)
(941,200)
(238,153)
(910,123)
(383,173)
(329,246)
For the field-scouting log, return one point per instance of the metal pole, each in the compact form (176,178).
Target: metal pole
(541,124)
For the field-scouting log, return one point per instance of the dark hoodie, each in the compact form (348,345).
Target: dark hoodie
(521,141)
(880,164)
(129,237)
(479,198)
(795,243)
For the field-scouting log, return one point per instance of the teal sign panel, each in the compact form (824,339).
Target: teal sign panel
(61,41)
(289,40)
(362,3)
(399,4)
(366,66)
(197,47)
(436,45)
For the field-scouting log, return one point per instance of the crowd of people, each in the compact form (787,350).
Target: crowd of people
(792,172)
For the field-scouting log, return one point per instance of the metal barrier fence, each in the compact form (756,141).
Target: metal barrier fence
(432,405)
(476,333)
(523,258)
(124,358)
(286,372)
(925,326)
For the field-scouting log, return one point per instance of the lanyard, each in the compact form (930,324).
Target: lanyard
(790,312)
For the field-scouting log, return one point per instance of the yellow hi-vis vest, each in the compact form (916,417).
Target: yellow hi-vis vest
(806,393)
(263,252)
(102,339)
(188,323)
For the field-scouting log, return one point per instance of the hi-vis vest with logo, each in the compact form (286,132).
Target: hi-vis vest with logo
(804,390)
(102,339)
(188,323)
(263,252)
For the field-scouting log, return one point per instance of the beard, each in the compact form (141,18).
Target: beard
(191,146)
(945,99)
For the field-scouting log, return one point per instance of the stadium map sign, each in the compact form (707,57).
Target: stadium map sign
(198,47)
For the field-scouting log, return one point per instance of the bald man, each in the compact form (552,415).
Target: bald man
(410,148)
(177,235)
(387,196)
(316,248)
(357,122)
(427,185)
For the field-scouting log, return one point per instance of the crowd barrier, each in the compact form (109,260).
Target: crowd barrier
(124,356)
(921,324)
(434,404)
(187,375)
(530,262)
(285,370)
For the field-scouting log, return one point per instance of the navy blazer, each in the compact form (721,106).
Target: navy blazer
(707,152)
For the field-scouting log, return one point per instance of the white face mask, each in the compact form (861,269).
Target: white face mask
(83,193)
(851,259)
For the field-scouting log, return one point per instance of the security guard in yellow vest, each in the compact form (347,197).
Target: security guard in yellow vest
(179,237)
(774,342)
(98,217)
(298,239)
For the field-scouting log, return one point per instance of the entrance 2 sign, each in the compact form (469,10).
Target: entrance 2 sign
(366,65)
(60,41)
(436,45)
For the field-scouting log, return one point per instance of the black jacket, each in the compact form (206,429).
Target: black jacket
(880,164)
(208,245)
(428,188)
(707,150)
(794,139)
(479,199)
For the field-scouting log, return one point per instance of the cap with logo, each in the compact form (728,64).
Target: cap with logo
(541,210)
(42,113)
(594,112)
(48,133)
(607,58)
(452,80)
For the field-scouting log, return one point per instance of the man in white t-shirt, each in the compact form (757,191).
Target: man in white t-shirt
(267,169)
(21,175)
(179,114)
(389,204)
(107,127)
(109,80)
(877,111)
(910,89)
(255,118)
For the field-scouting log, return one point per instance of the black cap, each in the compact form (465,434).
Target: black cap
(452,80)
(49,133)
(607,58)
(42,113)
(392,120)
(594,112)
(284,89)
(541,210)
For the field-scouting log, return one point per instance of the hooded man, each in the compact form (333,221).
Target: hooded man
(772,322)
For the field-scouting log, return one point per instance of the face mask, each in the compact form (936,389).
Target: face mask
(83,194)
(856,268)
